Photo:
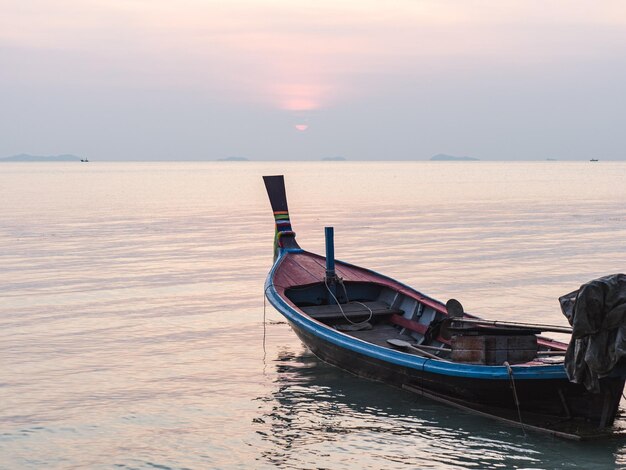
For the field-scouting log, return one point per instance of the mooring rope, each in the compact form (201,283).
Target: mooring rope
(371,312)
(264,324)
(348,301)
(519,413)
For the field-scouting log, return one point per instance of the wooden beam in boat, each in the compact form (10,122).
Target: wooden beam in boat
(414,326)
(350,310)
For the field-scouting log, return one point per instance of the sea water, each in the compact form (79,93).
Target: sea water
(133,330)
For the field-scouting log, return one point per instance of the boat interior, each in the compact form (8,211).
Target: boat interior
(380,315)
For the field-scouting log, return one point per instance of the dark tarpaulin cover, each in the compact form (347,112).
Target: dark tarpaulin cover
(597,314)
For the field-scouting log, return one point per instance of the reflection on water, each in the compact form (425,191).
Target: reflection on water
(131,307)
(319,413)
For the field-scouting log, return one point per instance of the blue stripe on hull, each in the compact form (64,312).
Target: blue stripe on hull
(396,357)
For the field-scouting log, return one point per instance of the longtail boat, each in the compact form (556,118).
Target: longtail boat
(380,329)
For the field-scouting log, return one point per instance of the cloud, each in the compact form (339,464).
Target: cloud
(410,62)
(296,54)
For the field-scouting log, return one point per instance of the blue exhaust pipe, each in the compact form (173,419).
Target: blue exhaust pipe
(330,254)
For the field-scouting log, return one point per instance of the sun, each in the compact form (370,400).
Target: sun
(301,127)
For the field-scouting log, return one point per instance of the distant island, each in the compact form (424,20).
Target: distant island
(24,157)
(442,157)
(333,159)
(233,159)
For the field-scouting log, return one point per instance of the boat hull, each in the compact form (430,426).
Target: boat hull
(319,295)
(555,405)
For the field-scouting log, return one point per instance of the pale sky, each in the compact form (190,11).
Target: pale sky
(278,79)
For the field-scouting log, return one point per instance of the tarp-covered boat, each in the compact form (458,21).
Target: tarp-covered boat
(380,329)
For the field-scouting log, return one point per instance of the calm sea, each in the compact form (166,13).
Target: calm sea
(132,317)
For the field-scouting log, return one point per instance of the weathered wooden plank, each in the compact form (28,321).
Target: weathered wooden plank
(347,273)
(414,326)
(493,349)
(292,273)
(354,274)
(316,266)
(350,310)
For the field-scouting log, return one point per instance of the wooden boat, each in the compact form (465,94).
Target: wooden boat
(380,329)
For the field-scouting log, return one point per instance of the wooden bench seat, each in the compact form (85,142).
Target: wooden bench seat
(351,310)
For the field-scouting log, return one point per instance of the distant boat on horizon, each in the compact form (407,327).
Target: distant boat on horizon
(593,160)
(84,160)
